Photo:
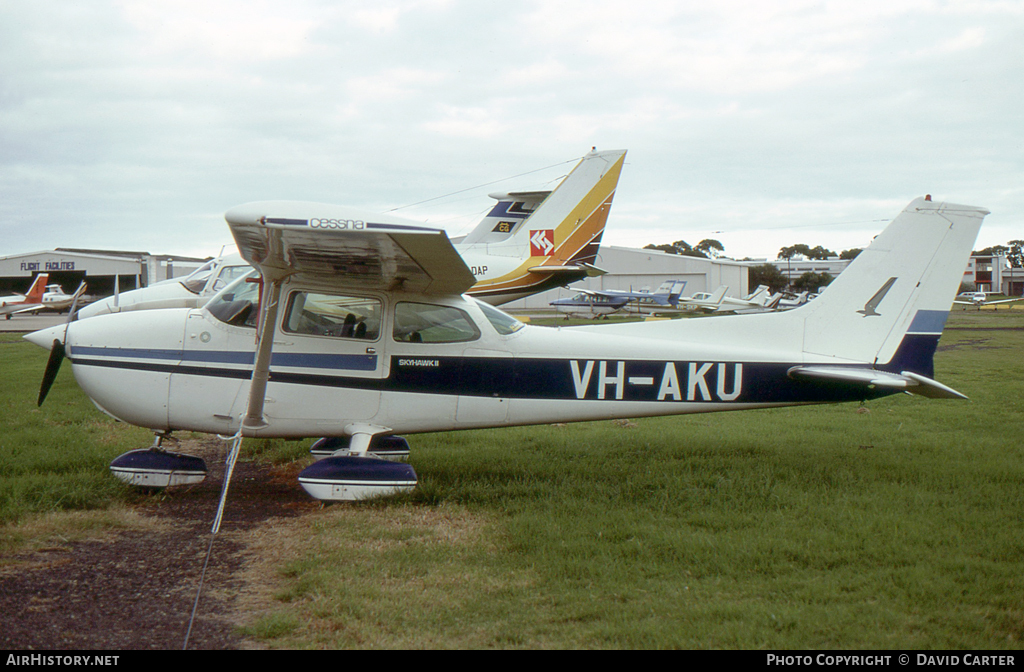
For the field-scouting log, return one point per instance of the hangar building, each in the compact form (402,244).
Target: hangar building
(633,269)
(67,267)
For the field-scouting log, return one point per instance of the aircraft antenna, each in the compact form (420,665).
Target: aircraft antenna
(487,184)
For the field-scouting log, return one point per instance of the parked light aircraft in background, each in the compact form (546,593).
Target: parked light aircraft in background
(192,291)
(980,299)
(759,299)
(364,332)
(529,242)
(54,297)
(40,297)
(705,301)
(717,302)
(597,303)
(789,301)
(667,299)
(17,303)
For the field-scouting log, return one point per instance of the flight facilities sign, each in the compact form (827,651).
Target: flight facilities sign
(32,266)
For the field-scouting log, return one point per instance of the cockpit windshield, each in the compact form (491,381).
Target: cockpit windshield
(197,279)
(239,302)
(502,322)
(211,277)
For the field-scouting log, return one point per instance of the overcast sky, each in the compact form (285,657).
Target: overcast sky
(135,125)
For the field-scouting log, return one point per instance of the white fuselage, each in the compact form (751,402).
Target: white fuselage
(346,358)
(189,370)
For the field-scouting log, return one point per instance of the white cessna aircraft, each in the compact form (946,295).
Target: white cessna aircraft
(191,291)
(757,300)
(529,242)
(362,330)
(979,299)
(597,302)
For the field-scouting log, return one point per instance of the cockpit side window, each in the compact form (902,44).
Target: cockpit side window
(226,275)
(429,323)
(238,303)
(333,315)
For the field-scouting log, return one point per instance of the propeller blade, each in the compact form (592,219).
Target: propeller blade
(57,352)
(52,367)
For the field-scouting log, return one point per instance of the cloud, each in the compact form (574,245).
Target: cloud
(137,124)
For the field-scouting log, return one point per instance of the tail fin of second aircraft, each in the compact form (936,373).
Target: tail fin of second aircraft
(559,227)
(38,288)
(506,218)
(555,235)
(665,288)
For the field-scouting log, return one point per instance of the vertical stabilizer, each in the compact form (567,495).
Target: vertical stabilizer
(891,302)
(506,218)
(715,299)
(558,226)
(38,288)
(677,290)
(553,244)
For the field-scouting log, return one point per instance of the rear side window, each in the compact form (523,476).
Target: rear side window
(429,323)
(333,315)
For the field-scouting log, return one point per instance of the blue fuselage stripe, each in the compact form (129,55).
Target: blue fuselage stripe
(928,322)
(303,360)
(525,378)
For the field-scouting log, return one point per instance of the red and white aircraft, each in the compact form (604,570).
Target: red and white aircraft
(19,303)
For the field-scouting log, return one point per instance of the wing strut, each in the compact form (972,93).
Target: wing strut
(253,419)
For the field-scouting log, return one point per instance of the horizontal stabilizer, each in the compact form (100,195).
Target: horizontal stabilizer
(586,270)
(906,381)
(932,388)
(530,198)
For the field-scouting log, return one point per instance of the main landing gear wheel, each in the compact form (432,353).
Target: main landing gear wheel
(355,478)
(155,467)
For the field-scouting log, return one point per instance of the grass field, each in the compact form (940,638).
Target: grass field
(895,525)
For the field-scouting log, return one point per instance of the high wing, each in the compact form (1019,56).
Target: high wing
(335,246)
(368,251)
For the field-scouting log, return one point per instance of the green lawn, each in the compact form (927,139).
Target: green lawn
(899,524)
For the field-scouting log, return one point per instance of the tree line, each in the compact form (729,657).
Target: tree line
(1013,251)
(764,274)
(777,281)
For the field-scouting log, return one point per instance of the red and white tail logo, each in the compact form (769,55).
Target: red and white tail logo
(542,242)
